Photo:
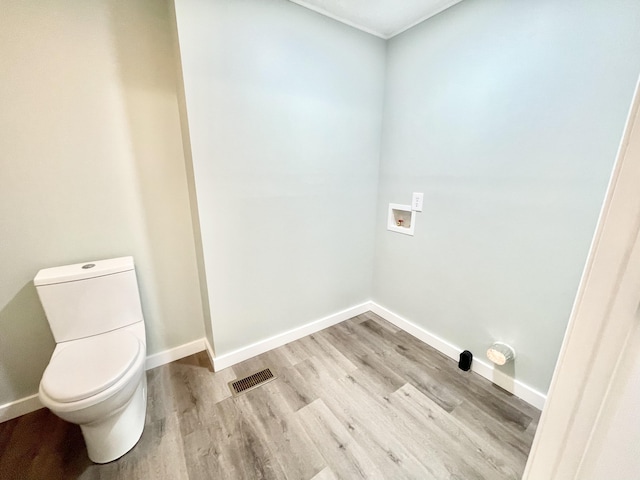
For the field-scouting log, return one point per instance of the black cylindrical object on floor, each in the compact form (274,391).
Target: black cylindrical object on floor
(466,358)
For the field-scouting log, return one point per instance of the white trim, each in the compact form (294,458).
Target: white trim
(537,399)
(528,394)
(516,387)
(209,350)
(175,353)
(228,359)
(19,407)
(325,13)
(422,19)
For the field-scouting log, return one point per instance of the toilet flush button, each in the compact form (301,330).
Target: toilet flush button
(88,265)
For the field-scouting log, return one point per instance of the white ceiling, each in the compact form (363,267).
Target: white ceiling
(383,18)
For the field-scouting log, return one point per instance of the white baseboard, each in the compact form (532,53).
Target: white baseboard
(176,353)
(516,387)
(209,349)
(244,353)
(19,407)
(32,403)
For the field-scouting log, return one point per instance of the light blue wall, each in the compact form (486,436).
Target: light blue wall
(284,111)
(507,115)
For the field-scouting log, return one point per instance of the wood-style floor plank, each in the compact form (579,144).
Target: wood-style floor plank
(361,399)
(338,448)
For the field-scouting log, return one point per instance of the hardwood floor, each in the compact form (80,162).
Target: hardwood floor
(358,400)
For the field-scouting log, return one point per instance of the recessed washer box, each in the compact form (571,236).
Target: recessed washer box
(401,219)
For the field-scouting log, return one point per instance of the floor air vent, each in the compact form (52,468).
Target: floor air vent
(252,381)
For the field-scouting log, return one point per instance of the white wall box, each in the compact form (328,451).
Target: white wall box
(401,219)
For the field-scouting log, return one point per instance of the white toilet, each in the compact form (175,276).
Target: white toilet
(96,375)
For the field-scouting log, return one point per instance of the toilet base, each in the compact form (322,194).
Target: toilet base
(110,438)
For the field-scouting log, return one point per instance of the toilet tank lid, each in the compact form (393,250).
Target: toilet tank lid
(82,271)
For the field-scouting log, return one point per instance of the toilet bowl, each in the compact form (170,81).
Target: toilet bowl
(96,376)
(100,388)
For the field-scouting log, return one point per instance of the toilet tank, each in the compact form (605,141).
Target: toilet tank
(89,298)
